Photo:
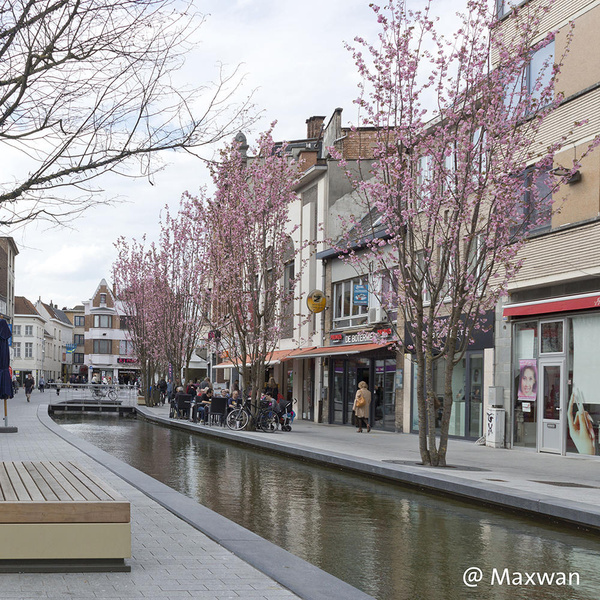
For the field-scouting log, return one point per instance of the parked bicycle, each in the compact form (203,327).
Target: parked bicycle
(104,391)
(266,419)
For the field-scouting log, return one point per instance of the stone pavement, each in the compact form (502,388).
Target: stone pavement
(559,487)
(170,558)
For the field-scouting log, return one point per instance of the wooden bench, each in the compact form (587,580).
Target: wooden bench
(57,511)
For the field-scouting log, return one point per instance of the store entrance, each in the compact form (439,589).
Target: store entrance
(551,397)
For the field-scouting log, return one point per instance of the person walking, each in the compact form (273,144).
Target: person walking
(361,406)
(29,385)
(42,384)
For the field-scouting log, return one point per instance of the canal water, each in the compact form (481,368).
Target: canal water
(392,542)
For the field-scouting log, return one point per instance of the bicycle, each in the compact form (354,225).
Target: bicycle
(99,392)
(266,419)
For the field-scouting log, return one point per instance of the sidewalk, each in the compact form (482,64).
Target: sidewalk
(171,559)
(565,488)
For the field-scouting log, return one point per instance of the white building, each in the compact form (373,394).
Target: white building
(27,355)
(58,336)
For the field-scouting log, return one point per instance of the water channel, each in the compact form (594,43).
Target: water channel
(392,542)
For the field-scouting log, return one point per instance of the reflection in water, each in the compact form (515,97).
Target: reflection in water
(391,542)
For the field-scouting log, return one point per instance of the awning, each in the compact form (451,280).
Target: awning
(276,357)
(341,350)
(553,305)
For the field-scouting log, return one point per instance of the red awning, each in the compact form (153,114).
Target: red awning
(554,305)
(347,349)
(276,357)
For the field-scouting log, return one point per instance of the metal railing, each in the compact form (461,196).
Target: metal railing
(92,393)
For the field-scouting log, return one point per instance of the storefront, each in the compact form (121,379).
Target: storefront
(471,377)
(556,380)
(345,364)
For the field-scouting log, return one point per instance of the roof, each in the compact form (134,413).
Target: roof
(274,358)
(25,307)
(56,313)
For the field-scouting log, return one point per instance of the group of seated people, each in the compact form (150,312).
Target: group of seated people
(194,404)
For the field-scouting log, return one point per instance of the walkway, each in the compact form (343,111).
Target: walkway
(171,559)
(561,487)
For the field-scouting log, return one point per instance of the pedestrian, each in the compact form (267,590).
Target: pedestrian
(206,384)
(362,403)
(42,384)
(272,389)
(29,385)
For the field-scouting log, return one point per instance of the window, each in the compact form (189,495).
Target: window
(126,347)
(28,349)
(16,330)
(124,322)
(422,273)
(78,358)
(79,321)
(505,6)
(103,321)
(79,339)
(102,347)
(536,202)
(540,70)
(29,330)
(424,177)
(17,349)
(102,298)
(349,309)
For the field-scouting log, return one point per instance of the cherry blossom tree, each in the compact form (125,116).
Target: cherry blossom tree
(247,231)
(160,287)
(132,276)
(458,181)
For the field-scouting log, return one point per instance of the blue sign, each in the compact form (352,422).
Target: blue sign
(360,295)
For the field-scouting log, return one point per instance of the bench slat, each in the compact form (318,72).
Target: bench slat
(8,491)
(111,492)
(33,487)
(85,482)
(57,481)
(85,492)
(17,484)
(45,489)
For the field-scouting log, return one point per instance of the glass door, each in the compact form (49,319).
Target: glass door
(475,390)
(550,391)
(337,391)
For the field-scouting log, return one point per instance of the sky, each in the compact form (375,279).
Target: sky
(293,57)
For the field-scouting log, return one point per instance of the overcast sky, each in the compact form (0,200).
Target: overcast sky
(292,54)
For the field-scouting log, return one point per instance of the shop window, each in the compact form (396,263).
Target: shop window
(350,307)
(552,337)
(525,354)
(583,399)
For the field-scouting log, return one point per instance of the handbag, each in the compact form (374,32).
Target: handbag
(360,401)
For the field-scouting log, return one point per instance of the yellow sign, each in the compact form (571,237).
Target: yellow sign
(316,301)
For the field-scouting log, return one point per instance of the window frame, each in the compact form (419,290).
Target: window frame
(97,345)
(28,349)
(97,323)
(339,318)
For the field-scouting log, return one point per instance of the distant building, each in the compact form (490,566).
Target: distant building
(108,351)
(28,348)
(58,336)
(76,316)
(8,253)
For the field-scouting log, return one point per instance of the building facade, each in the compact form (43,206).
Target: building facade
(28,341)
(546,370)
(108,351)
(58,337)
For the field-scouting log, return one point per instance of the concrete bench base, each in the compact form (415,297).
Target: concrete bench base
(57,511)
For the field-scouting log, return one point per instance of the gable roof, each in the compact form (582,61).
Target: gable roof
(25,307)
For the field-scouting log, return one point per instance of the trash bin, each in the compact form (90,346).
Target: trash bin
(494,435)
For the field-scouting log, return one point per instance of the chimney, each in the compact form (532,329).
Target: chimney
(314,126)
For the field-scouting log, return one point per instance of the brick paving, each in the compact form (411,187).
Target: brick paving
(170,558)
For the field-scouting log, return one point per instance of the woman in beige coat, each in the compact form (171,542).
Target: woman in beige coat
(362,412)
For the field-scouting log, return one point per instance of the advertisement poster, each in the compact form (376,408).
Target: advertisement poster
(583,411)
(360,296)
(527,379)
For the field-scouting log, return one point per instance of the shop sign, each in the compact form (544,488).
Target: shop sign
(336,338)
(358,338)
(384,332)
(316,301)
(126,360)
(360,295)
